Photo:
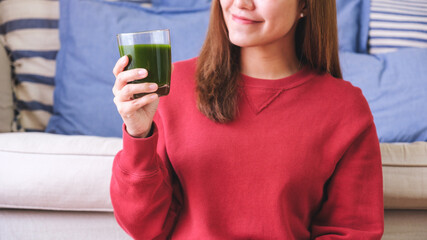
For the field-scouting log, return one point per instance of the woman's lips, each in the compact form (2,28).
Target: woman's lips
(243,20)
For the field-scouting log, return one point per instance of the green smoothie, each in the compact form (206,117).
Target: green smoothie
(156,58)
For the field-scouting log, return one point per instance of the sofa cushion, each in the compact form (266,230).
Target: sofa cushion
(56,172)
(6,99)
(405,224)
(73,172)
(83,100)
(29,31)
(53,225)
(405,175)
(397,24)
(395,87)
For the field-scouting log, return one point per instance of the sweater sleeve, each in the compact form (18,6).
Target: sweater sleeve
(143,195)
(353,202)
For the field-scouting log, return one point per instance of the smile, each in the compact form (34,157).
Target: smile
(243,20)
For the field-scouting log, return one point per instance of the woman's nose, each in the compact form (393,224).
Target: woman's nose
(244,4)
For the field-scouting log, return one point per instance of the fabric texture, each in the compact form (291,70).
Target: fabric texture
(401,224)
(53,225)
(405,175)
(69,173)
(29,32)
(83,100)
(397,24)
(395,86)
(180,3)
(6,99)
(353,25)
(263,175)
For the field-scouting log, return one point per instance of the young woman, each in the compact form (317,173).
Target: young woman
(260,138)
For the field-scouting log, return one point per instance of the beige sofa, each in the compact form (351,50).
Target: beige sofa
(57,187)
(53,186)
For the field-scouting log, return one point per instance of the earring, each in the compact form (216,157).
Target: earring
(302,14)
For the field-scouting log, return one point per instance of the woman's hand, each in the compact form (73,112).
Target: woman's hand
(137,114)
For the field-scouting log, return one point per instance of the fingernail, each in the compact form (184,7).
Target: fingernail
(152,86)
(123,60)
(142,72)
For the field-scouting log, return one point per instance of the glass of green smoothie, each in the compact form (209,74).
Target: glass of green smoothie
(150,50)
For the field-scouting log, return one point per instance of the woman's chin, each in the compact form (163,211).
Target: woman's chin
(243,42)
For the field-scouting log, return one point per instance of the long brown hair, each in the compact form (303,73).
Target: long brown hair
(218,66)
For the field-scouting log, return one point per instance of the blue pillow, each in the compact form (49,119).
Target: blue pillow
(395,87)
(83,100)
(353,25)
(180,3)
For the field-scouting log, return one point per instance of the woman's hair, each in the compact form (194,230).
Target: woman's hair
(218,66)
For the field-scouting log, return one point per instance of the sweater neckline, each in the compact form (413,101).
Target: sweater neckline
(260,93)
(294,80)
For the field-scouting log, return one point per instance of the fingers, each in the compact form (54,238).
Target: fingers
(127,92)
(123,78)
(128,108)
(120,65)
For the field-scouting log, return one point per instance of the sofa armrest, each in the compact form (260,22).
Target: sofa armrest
(56,172)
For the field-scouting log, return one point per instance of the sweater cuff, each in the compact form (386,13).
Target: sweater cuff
(139,155)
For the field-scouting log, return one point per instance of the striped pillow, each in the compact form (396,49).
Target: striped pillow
(6,99)
(397,24)
(29,32)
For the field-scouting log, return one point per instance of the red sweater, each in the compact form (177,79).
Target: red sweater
(300,161)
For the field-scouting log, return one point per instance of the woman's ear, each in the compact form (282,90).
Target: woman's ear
(303,8)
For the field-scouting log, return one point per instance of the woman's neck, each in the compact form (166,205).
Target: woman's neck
(272,61)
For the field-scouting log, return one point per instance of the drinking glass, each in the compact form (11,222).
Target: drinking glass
(150,50)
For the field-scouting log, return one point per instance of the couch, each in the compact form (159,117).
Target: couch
(56,154)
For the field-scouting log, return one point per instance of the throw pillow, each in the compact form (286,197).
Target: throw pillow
(83,100)
(353,20)
(181,3)
(395,88)
(397,24)
(6,100)
(29,32)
